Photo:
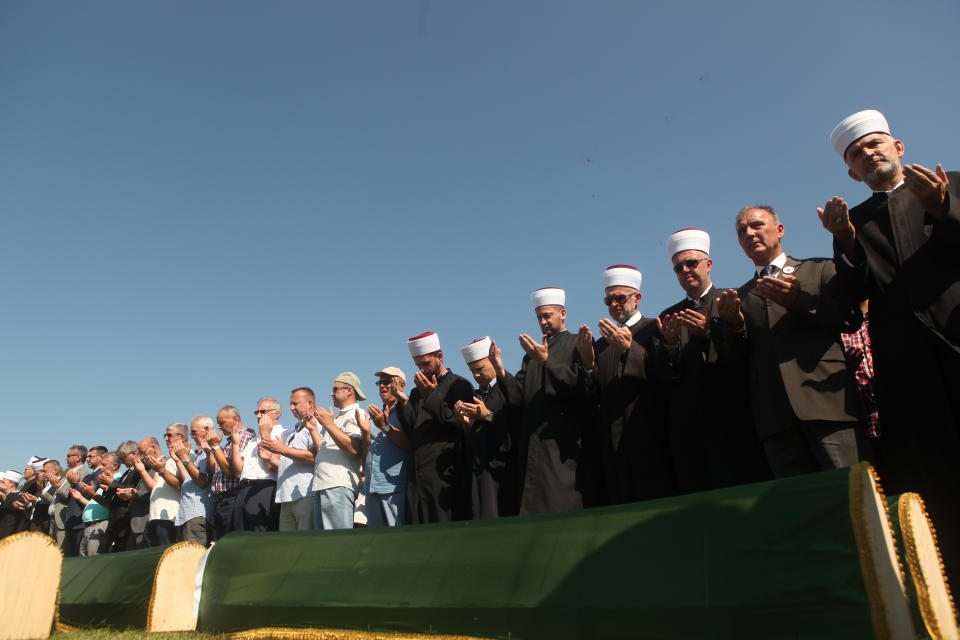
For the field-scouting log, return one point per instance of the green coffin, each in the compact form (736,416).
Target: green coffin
(768,560)
(111,590)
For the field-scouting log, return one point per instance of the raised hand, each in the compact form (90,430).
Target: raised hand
(696,323)
(620,338)
(783,290)
(584,346)
(496,360)
(929,188)
(669,328)
(379,417)
(536,350)
(728,308)
(424,384)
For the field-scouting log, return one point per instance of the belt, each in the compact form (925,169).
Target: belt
(249,483)
(229,493)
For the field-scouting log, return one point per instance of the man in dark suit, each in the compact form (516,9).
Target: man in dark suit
(712,442)
(899,249)
(788,320)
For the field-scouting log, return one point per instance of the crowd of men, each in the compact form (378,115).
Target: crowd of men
(840,360)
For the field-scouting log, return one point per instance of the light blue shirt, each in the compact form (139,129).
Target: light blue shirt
(386,464)
(195,502)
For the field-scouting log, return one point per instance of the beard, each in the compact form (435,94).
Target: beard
(881,173)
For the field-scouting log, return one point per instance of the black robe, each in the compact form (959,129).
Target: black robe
(712,438)
(631,422)
(491,449)
(557,474)
(437,489)
(906,262)
(10,518)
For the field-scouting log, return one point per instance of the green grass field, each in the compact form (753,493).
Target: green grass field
(132,634)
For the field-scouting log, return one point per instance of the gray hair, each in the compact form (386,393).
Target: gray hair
(230,410)
(126,448)
(202,420)
(179,427)
(111,456)
(273,404)
(761,207)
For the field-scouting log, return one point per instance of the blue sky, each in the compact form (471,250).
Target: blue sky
(205,203)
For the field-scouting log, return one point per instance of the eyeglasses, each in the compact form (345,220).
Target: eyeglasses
(335,389)
(167,436)
(384,382)
(619,298)
(688,264)
(260,412)
(73,455)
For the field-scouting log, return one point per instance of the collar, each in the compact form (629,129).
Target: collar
(897,186)
(632,320)
(702,293)
(492,384)
(349,407)
(778,262)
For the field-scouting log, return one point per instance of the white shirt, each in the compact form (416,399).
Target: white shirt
(164,499)
(334,468)
(254,468)
(778,262)
(294,478)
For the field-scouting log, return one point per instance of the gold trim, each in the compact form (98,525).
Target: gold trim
(879,607)
(288,633)
(156,571)
(53,543)
(913,559)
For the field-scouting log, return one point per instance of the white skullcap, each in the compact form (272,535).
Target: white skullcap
(13,476)
(423,344)
(622,275)
(687,240)
(854,127)
(476,350)
(36,463)
(548,295)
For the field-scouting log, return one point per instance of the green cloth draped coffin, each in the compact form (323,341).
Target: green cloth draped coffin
(111,590)
(770,560)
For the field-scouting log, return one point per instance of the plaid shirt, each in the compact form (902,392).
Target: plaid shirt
(220,481)
(864,373)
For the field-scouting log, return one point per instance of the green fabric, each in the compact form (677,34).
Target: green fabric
(769,560)
(110,590)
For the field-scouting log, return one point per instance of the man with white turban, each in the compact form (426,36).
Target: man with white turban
(557,474)
(712,439)
(899,250)
(491,421)
(627,362)
(437,486)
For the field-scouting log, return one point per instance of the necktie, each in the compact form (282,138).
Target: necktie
(484,393)
(768,270)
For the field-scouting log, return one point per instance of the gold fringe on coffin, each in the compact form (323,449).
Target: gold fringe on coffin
(171,599)
(883,574)
(284,633)
(926,567)
(29,613)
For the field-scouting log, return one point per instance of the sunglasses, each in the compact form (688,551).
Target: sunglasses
(688,264)
(619,298)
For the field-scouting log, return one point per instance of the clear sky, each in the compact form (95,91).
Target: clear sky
(203,203)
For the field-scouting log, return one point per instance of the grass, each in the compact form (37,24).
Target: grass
(130,634)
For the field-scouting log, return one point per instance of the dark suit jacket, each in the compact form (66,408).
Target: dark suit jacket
(795,359)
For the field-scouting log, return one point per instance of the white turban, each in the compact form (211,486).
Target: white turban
(36,463)
(13,476)
(854,127)
(622,275)
(476,350)
(423,344)
(687,240)
(548,295)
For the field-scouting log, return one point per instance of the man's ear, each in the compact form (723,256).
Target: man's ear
(853,175)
